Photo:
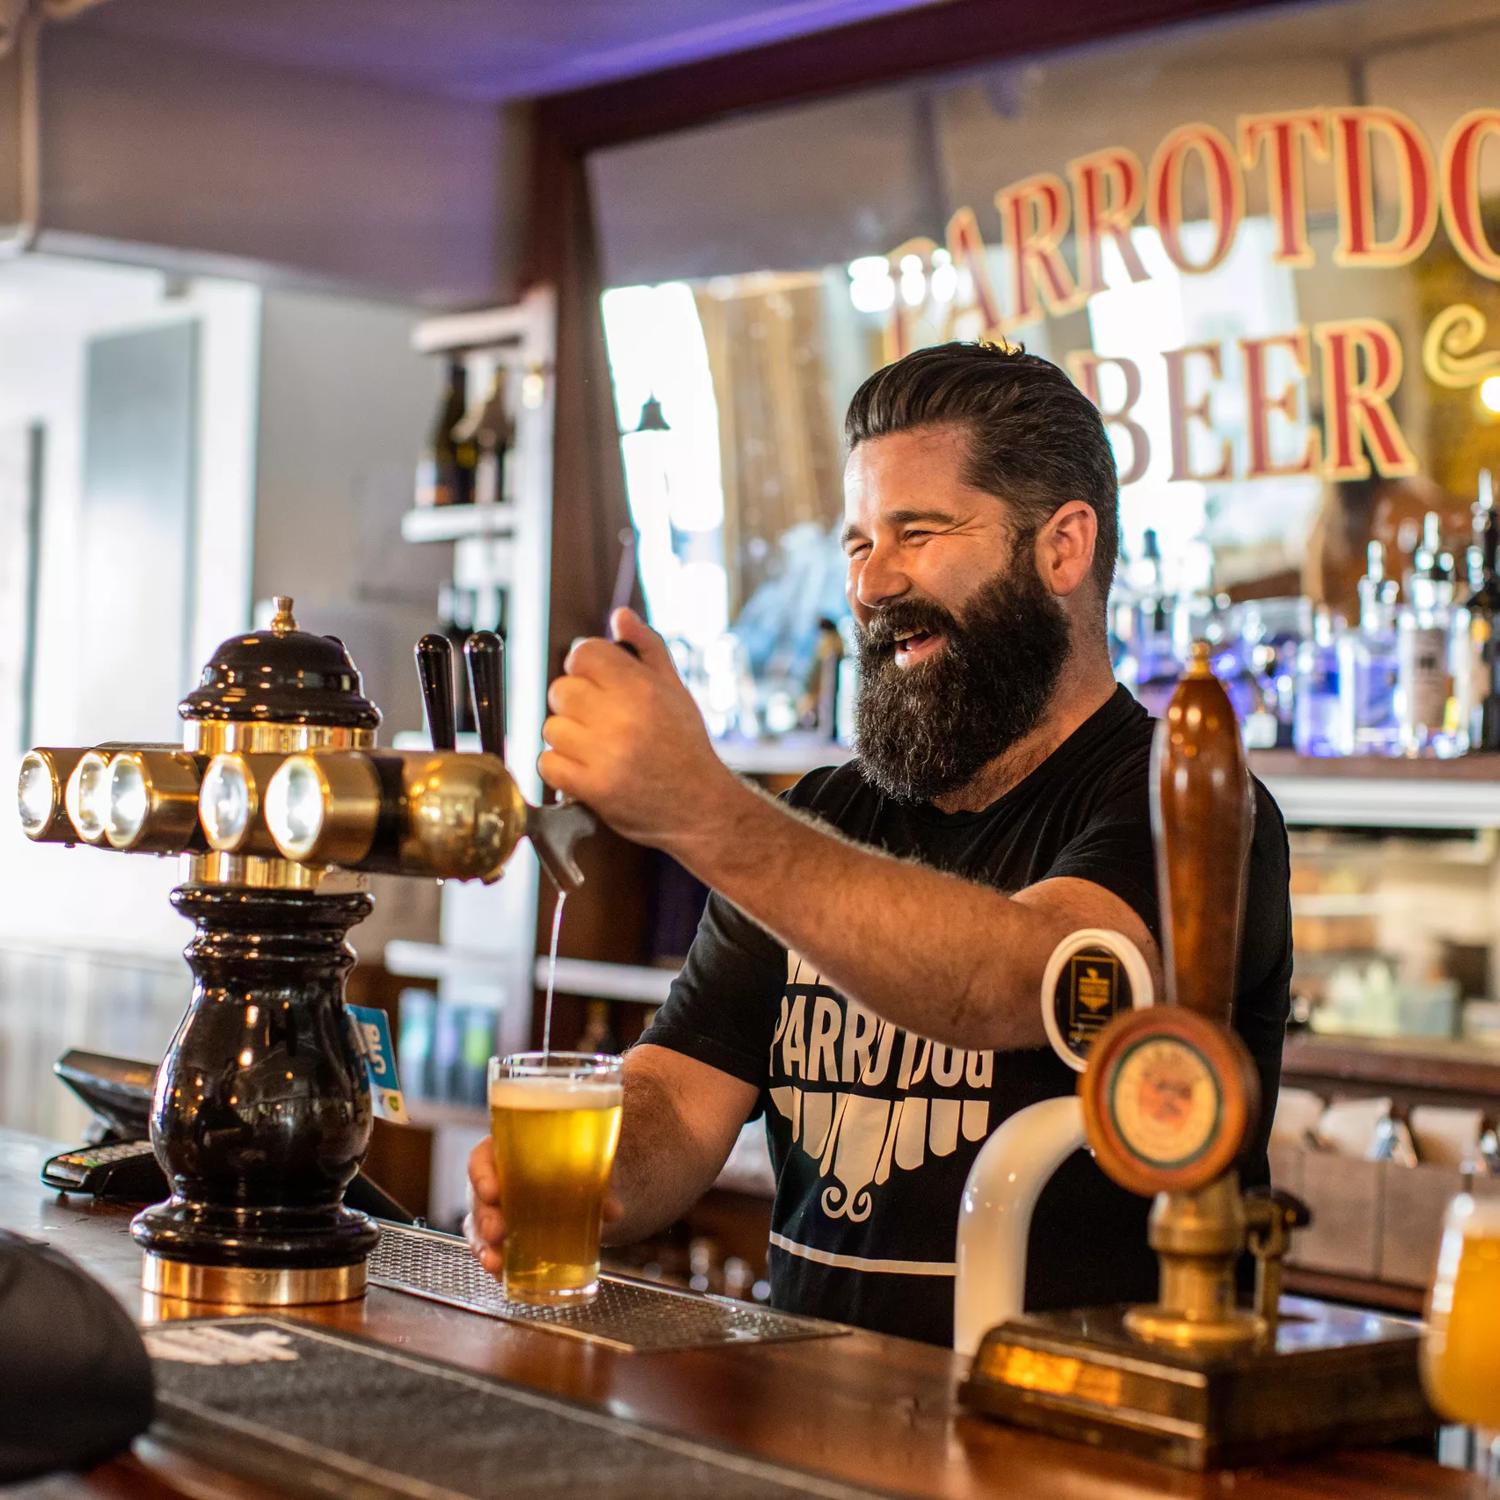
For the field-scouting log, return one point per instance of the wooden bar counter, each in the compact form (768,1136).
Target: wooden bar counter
(863,1408)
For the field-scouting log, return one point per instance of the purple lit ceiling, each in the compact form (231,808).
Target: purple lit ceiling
(482,49)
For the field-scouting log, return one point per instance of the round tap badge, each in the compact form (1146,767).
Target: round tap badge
(1168,1099)
(1093,976)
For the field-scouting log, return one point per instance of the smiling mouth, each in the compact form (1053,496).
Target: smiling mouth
(913,646)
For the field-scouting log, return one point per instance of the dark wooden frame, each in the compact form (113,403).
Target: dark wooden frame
(884,50)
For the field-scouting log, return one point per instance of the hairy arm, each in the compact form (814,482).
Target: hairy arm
(678,1123)
(934,953)
(946,957)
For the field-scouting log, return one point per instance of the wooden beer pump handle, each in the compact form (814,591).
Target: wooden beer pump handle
(1201,816)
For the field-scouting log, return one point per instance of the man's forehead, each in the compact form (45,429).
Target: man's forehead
(919,469)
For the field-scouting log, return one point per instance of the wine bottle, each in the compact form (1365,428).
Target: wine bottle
(445,474)
(489,428)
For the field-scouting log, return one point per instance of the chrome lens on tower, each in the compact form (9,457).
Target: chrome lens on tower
(295,805)
(226,803)
(87,796)
(151,803)
(39,797)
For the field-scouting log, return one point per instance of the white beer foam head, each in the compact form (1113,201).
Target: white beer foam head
(555,1093)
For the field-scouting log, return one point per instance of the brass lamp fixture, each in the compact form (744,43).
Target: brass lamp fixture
(278,802)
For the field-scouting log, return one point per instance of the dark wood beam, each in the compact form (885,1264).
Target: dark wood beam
(883,50)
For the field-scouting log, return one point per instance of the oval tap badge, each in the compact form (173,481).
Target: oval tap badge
(1093,976)
(1168,1099)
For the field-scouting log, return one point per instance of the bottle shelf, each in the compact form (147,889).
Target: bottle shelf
(1356,792)
(792,755)
(1376,792)
(454,523)
(595,980)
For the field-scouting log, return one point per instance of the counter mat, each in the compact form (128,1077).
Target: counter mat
(627,1314)
(323,1414)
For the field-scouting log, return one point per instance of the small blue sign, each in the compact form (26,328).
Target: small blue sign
(374,1031)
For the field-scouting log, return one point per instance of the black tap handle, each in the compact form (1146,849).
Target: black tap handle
(435,673)
(484,651)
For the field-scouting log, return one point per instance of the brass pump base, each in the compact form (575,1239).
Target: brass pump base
(1330,1376)
(252,1286)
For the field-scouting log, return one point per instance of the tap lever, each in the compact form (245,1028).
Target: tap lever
(555,831)
(484,652)
(1271,1215)
(435,672)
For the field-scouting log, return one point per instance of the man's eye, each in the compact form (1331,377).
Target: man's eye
(856,550)
(914,535)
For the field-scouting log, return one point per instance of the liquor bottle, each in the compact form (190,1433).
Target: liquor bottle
(1474,624)
(488,428)
(445,474)
(1368,723)
(1316,715)
(1157,665)
(1424,663)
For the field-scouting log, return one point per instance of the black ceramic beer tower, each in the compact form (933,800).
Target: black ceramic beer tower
(262,1107)
(278,803)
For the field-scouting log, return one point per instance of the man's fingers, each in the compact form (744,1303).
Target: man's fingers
(599,661)
(567,736)
(629,629)
(484,1185)
(488,1225)
(561,774)
(570,696)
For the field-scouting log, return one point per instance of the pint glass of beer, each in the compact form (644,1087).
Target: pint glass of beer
(1461,1346)
(554,1123)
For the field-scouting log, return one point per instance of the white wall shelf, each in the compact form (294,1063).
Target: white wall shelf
(452,523)
(605,981)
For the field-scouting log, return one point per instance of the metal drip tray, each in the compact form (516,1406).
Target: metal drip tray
(627,1314)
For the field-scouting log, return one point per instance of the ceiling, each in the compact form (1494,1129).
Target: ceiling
(490,50)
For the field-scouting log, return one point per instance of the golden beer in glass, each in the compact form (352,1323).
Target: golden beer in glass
(1461,1345)
(554,1125)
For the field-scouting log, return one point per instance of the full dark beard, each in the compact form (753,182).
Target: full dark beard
(926,730)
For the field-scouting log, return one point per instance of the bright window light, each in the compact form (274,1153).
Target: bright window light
(673,478)
(871,289)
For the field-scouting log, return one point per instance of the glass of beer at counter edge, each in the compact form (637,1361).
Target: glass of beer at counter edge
(1461,1342)
(554,1126)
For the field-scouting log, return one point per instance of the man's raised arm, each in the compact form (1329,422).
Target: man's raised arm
(951,959)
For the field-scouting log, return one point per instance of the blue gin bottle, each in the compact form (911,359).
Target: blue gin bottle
(1368,721)
(1315,717)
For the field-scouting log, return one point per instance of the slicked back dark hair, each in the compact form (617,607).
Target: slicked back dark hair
(1035,440)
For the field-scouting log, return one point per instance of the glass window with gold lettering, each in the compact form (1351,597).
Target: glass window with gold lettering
(1268,247)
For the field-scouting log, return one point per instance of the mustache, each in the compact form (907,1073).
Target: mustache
(879,636)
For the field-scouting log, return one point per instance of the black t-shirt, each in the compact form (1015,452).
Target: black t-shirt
(873,1129)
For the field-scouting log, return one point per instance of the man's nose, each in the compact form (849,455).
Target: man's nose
(880,580)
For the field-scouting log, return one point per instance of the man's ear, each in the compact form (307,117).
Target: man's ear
(1065,546)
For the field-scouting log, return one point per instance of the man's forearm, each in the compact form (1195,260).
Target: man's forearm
(931,952)
(660,1169)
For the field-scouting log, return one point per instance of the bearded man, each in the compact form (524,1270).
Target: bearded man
(868,970)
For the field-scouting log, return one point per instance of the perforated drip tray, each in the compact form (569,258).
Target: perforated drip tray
(627,1314)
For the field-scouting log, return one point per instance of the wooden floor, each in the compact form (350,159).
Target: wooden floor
(866,1409)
